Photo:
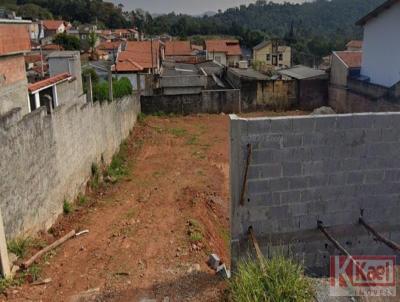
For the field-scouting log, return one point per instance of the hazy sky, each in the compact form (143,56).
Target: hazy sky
(185,6)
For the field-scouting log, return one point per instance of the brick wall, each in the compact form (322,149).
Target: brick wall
(13,84)
(305,169)
(45,159)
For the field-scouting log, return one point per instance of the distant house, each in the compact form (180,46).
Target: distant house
(14,42)
(36,31)
(381,46)
(344,64)
(180,51)
(354,45)
(273,54)
(54,27)
(139,57)
(225,52)
(112,49)
(128,34)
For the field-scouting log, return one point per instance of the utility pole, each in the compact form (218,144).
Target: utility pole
(110,84)
(152,60)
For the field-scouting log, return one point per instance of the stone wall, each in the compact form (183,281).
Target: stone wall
(305,169)
(45,159)
(208,101)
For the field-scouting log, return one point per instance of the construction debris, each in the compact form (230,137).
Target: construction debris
(214,262)
(42,282)
(81,233)
(223,271)
(47,249)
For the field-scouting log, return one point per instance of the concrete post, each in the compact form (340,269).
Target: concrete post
(139,84)
(5,262)
(37,100)
(110,85)
(89,89)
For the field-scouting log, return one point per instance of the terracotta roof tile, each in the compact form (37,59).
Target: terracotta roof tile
(52,24)
(137,56)
(355,44)
(47,82)
(178,48)
(52,47)
(33,58)
(109,45)
(14,38)
(230,47)
(351,58)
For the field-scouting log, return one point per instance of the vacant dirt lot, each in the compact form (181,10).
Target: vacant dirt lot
(151,232)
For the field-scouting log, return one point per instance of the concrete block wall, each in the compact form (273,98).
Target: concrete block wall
(208,101)
(45,159)
(305,169)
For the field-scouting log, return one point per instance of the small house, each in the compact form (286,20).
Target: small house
(225,52)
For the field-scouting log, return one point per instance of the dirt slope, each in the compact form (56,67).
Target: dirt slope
(139,246)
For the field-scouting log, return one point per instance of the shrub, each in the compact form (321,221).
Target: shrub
(121,88)
(100,91)
(283,280)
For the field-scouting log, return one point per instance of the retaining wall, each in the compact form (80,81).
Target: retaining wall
(45,159)
(315,168)
(208,101)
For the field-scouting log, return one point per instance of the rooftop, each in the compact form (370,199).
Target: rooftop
(52,24)
(48,82)
(63,54)
(352,59)
(138,56)
(376,12)
(230,47)
(249,74)
(355,44)
(301,72)
(178,48)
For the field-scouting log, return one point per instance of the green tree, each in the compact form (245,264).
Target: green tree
(68,42)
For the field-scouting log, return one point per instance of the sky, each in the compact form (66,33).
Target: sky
(185,6)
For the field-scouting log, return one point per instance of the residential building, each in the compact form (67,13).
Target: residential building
(311,86)
(181,52)
(225,52)
(14,42)
(54,27)
(354,45)
(273,54)
(112,49)
(139,57)
(344,64)
(381,46)
(61,62)
(36,31)
(127,34)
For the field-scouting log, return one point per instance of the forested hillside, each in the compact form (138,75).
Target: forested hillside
(313,29)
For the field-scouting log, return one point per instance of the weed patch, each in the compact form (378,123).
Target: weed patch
(20,246)
(178,132)
(68,208)
(283,280)
(195,231)
(82,200)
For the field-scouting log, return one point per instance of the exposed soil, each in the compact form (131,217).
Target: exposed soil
(139,245)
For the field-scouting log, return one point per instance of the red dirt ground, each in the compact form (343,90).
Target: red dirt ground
(138,246)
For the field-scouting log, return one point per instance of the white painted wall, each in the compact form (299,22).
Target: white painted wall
(381,58)
(219,57)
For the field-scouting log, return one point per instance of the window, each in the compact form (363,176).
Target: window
(280,57)
(268,57)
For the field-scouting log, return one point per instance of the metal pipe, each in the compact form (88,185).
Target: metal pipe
(378,236)
(249,151)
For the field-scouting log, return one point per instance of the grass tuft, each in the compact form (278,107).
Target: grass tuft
(67,207)
(283,280)
(195,231)
(20,246)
